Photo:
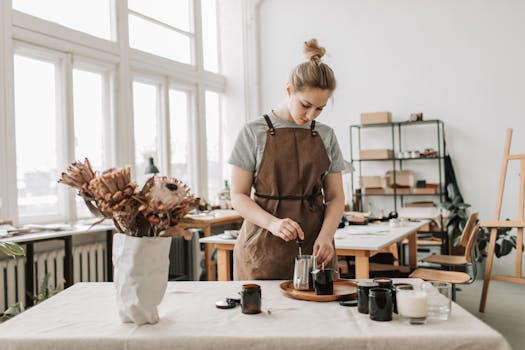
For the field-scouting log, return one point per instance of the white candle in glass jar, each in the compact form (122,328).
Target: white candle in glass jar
(411,303)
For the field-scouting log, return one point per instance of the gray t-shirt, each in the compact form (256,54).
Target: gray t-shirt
(249,147)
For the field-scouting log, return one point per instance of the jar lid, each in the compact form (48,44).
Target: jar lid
(366,284)
(379,291)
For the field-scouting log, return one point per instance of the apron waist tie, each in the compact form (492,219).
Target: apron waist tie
(310,198)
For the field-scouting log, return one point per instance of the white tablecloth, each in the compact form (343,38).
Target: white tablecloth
(85,317)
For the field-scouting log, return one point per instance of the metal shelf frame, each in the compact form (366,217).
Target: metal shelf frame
(396,136)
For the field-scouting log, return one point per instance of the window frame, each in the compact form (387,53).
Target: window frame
(60,61)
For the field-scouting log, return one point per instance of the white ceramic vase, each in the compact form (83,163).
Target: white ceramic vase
(141,276)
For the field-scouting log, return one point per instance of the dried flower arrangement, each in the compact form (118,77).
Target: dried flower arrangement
(155,210)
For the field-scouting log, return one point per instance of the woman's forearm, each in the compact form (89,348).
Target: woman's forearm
(332,218)
(251,211)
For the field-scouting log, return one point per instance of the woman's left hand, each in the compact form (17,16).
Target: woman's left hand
(324,250)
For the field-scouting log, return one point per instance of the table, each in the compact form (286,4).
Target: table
(29,239)
(362,242)
(206,221)
(84,317)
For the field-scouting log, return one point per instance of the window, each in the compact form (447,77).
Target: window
(180,147)
(70,102)
(92,17)
(210,35)
(213,142)
(36,137)
(145,112)
(90,123)
(161,28)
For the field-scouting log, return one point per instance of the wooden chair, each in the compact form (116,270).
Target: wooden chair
(453,260)
(455,277)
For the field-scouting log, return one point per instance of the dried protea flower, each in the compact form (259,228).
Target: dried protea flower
(78,175)
(165,201)
(168,194)
(114,190)
(153,211)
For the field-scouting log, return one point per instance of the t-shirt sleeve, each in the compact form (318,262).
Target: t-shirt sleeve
(244,150)
(338,162)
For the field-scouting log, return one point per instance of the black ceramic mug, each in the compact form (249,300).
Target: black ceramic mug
(251,298)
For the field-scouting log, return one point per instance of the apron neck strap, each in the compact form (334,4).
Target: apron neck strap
(272,128)
(270,125)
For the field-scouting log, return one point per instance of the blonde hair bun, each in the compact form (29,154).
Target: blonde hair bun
(312,73)
(312,51)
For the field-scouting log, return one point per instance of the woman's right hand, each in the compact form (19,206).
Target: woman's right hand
(287,229)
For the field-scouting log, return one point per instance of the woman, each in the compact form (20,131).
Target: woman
(294,165)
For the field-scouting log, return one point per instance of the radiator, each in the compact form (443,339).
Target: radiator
(89,263)
(186,258)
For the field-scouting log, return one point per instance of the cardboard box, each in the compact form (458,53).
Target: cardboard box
(403,178)
(373,191)
(376,154)
(376,118)
(372,181)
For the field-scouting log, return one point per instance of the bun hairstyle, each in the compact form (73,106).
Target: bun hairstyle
(313,73)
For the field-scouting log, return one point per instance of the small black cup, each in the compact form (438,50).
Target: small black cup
(380,304)
(323,281)
(362,295)
(251,299)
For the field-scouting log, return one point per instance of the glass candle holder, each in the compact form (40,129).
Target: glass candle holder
(439,299)
(386,282)
(251,298)
(363,289)
(323,281)
(380,304)
(412,304)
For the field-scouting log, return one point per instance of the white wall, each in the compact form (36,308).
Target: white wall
(232,58)
(459,61)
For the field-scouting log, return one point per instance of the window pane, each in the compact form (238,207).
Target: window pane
(210,35)
(213,133)
(179,136)
(158,40)
(92,17)
(145,120)
(36,137)
(175,13)
(89,119)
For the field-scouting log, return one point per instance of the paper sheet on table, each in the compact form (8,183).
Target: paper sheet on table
(362,230)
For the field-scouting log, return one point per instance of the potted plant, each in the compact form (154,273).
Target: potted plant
(456,218)
(143,219)
(11,249)
(505,242)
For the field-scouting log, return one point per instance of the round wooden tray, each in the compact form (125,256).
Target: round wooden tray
(343,290)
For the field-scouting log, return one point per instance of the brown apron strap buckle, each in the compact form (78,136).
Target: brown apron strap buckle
(269,123)
(312,128)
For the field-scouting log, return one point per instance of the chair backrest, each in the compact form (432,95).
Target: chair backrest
(465,235)
(471,250)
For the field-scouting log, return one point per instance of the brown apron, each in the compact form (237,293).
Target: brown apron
(288,185)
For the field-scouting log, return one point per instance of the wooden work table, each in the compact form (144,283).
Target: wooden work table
(362,242)
(206,221)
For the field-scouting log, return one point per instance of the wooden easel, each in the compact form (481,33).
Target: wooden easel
(494,225)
